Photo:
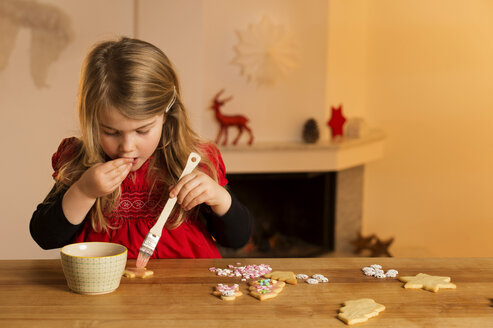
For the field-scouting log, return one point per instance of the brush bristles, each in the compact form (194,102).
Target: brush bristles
(146,249)
(142,259)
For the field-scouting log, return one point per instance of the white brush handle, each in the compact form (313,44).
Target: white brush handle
(193,160)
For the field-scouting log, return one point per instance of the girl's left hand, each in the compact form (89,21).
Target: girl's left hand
(197,188)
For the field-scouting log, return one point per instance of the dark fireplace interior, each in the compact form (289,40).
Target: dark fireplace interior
(293,213)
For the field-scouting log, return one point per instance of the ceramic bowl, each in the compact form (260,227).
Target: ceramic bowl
(93,267)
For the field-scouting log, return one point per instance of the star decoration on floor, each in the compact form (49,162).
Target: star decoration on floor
(336,122)
(373,244)
(381,247)
(361,243)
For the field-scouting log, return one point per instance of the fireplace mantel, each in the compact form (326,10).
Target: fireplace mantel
(344,160)
(301,157)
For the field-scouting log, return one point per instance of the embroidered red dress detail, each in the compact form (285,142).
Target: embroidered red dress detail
(137,212)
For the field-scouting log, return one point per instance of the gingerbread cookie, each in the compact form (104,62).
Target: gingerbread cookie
(265,288)
(287,276)
(137,273)
(360,310)
(227,293)
(425,281)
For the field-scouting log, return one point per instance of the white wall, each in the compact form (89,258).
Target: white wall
(176,27)
(34,121)
(198,36)
(277,112)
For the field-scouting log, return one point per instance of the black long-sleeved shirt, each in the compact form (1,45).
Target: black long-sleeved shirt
(50,228)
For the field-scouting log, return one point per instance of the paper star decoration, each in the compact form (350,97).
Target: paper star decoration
(425,281)
(360,310)
(266,52)
(336,122)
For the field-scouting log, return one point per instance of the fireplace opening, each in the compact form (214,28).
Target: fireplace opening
(293,213)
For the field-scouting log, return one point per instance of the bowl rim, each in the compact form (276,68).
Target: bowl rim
(93,257)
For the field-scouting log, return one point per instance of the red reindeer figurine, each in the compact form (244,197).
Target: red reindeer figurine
(226,121)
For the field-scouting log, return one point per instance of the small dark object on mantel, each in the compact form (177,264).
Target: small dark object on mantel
(310,131)
(372,243)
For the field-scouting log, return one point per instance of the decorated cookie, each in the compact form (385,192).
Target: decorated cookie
(360,310)
(287,276)
(265,288)
(425,281)
(137,273)
(227,293)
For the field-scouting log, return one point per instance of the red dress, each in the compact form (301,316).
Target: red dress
(137,212)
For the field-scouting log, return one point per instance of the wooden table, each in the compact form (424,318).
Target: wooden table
(33,293)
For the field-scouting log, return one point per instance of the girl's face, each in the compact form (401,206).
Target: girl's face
(121,136)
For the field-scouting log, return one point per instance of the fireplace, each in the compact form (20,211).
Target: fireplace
(306,200)
(293,213)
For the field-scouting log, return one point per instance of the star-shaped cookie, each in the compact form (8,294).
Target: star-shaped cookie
(360,310)
(425,281)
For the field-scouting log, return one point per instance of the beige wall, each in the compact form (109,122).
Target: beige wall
(429,81)
(420,70)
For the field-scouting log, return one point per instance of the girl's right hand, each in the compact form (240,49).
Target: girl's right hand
(103,178)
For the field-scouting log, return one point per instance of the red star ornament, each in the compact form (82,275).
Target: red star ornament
(336,122)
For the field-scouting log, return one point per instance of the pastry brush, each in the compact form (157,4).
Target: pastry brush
(153,236)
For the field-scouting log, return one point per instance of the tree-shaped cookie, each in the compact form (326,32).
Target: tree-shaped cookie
(360,310)
(265,288)
(227,293)
(286,276)
(425,281)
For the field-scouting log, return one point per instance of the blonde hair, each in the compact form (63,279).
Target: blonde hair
(138,79)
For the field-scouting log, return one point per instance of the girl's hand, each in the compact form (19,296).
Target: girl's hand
(103,178)
(197,188)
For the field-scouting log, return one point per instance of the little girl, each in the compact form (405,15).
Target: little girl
(112,183)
